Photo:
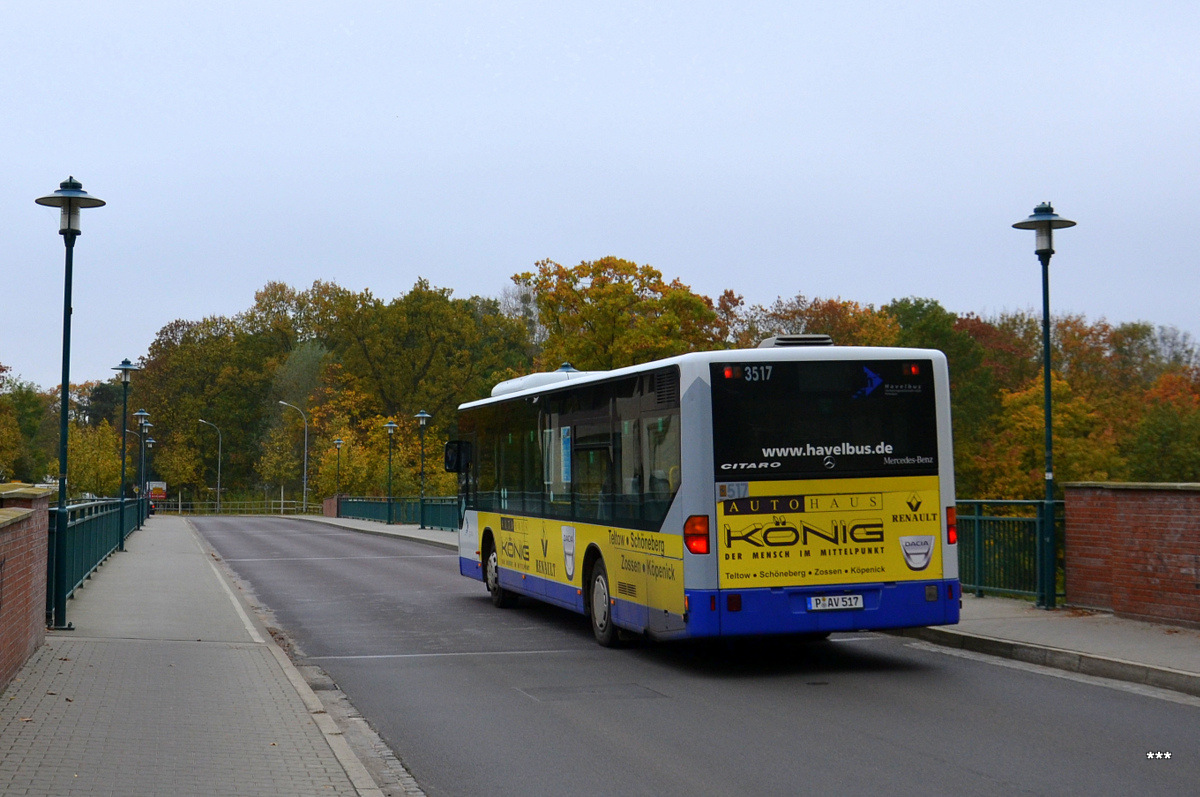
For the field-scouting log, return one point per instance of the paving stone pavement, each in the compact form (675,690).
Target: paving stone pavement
(166,692)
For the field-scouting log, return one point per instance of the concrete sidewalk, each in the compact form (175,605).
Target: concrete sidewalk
(167,686)
(1082,641)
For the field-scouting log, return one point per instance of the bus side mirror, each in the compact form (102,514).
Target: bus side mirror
(458,456)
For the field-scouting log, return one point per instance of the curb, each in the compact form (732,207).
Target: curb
(1072,661)
(383,532)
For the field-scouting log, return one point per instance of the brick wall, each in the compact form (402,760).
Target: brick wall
(1134,549)
(24,542)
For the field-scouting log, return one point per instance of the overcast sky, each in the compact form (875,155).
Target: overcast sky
(863,150)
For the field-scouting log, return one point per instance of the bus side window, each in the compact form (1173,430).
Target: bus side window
(662,459)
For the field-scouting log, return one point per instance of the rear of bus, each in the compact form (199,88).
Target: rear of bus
(834,493)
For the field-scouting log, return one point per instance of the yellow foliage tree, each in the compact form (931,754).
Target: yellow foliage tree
(609,313)
(1085,447)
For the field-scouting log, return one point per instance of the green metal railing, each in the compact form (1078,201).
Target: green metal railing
(998,551)
(434,513)
(263,507)
(93,531)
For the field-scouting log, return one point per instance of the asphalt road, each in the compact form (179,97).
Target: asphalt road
(477,700)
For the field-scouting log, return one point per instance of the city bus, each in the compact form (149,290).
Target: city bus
(794,488)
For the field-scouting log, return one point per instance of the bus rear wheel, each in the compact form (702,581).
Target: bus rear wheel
(501,598)
(601,608)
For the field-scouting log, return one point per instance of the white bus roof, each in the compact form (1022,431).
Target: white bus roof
(537,383)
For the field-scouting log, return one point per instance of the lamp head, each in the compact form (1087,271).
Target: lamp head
(337,443)
(423,417)
(70,197)
(125,368)
(390,426)
(1044,221)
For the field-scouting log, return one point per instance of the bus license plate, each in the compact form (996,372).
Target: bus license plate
(819,603)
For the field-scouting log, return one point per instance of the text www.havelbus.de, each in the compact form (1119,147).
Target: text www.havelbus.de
(841,449)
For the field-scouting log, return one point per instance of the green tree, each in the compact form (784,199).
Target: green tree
(974,397)
(422,351)
(1165,445)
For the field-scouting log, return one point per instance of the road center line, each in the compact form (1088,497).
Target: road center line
(444,655)
(340,558)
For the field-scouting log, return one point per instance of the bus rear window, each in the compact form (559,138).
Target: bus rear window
(823,419)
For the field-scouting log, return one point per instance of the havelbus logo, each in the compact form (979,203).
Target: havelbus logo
(917,551)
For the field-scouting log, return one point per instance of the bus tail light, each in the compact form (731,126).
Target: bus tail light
(695,534)
(952,525)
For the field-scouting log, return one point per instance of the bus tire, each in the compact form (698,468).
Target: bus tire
(600,606)
(501,598)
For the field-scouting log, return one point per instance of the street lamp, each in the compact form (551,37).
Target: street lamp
(144,427)
(1044,222)
(213,425)
(305,417)
(70,198)
(422,419)
(391,430)
(125,368)
(338,445)
(150,441)
(337,493)
(139,515)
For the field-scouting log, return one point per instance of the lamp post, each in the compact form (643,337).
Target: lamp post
(143,492)
(138,525)
(391,430)
(422,419)
(338,483)
(70,198)
(1044,222)
(304,508)
(125,368)
(143,427)
(213,425)
(150,441)
(337,492)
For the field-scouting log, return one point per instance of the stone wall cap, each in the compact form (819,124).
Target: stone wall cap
(1172,486)
(11,515)
(22,490)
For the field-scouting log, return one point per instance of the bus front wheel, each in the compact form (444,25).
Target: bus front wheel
(501,597)
(601,608)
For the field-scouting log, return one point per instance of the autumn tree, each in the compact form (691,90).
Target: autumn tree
(610,313)
(1085,448)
